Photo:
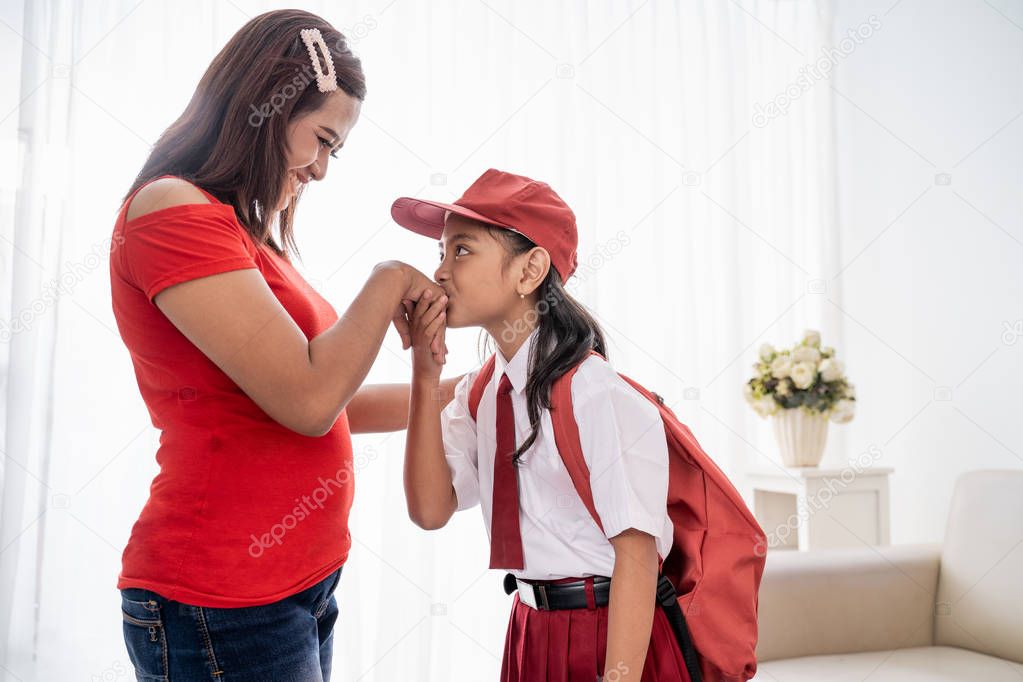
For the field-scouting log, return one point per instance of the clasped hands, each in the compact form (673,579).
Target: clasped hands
(420,321)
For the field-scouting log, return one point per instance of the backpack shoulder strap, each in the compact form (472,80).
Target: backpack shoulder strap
(479,384)
(566,437)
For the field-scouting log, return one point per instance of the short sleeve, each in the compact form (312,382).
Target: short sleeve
(458,430)
(180,243)
(625,448)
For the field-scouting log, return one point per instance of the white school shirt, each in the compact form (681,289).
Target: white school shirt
(623,444)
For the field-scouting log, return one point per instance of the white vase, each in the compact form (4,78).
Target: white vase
(801,437)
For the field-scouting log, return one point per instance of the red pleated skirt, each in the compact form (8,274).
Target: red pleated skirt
(570,646)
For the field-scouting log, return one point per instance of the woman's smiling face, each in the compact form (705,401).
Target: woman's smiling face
(475,274)
(315,137)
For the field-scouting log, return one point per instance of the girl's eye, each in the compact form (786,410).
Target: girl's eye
(456,251)
(326,143)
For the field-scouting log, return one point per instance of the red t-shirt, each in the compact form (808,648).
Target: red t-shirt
(243,511)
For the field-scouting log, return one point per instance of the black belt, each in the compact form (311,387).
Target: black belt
(561,596)
(558,596)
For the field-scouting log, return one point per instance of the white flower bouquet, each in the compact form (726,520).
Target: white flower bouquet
(807,377)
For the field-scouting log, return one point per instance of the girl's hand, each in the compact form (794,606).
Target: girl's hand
(426,324)
(630,614)
(415,284)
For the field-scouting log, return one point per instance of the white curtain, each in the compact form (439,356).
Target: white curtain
(704,232)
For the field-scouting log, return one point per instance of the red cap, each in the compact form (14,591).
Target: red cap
(513,202)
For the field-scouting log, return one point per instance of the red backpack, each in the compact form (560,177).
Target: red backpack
(717,556)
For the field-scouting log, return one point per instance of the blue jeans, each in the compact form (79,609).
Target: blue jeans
(286,641)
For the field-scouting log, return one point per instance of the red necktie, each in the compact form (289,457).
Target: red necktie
(505,537)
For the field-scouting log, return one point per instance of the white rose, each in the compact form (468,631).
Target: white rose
(850,391)
(812,337)
(747,393)
(767,352)
(781,366)
(802,374)
(782,388)
(765,407)
(843,411)
(831,369)
(806,354)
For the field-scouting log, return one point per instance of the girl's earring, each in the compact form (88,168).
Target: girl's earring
(522,295)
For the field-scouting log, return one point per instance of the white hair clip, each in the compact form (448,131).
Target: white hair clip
(324,81)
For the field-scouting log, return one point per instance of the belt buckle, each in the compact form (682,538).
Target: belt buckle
(528,595)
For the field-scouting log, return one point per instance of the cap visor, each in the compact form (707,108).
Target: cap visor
(427,217)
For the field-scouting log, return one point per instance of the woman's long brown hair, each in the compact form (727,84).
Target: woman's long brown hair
(231,140)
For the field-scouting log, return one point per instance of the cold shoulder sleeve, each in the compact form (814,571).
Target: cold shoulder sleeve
(181,243)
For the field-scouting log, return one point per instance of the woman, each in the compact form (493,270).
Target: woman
(249,374)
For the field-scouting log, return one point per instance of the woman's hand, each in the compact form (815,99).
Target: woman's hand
(416,284)
(427,333)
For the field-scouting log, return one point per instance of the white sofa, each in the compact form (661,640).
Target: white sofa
(905,613)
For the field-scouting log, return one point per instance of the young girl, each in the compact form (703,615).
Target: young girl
(585,601)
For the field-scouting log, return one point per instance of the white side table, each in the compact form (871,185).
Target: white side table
(813,508)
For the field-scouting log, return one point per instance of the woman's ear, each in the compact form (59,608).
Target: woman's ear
(534,270)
